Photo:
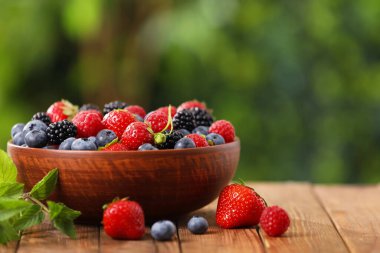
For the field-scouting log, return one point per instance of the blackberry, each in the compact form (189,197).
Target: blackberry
(113,105)
(87,107)
(171,140)
(43,117)
(59,131)
(202,117)
(184,120)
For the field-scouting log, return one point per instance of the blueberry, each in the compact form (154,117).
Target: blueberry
(93,139)
(104,137)
(19,139)
(36,139)
(200,130)
(197,225)
(163,230)
(184,131)
(83,144)
(147,146)
(215,139)
(17,128)
(34,125)
(51,147)
(184,143)
(66,144)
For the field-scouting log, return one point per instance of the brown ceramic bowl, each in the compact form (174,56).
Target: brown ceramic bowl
(167,183)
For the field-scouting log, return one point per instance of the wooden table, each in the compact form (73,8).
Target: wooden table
(324,219)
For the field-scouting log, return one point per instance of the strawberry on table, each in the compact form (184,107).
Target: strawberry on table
(118,120)
(61,110)
(88,123)
(223,128)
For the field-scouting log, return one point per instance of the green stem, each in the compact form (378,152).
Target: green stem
(27,196)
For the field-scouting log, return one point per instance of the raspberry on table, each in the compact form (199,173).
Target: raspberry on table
(274,221)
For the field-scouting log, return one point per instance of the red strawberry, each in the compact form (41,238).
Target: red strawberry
(135,135)
(157,121)
(61,110)
(224,128)
(274,221)
(136,109)
(115,147)
(88,123)
(124,219)
(118,120)
(191,104)
(199,140)
(165,109)
(239,206)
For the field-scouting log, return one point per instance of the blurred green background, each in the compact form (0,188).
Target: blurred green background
(300,80)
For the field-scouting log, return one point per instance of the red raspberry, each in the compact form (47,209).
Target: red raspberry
(115,147)
(199,140)
(61,110)
(135,135)
(191,104)
(136,109)
(118,120)
(157,121)
(124,219)
(166,108)
(224,128)
(274,221)
(88,123)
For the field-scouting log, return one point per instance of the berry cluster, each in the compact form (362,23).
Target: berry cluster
(120,127)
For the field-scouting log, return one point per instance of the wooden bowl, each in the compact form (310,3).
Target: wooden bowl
(167,183)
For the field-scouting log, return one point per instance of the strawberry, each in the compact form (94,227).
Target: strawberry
(199,140)
(124,219)
(157,121)
(61,110)
(165,109)
(136,109)
(115,147)
(135,135)
(224,128)
(274,221)
(88,123)
(191,104)
(118,120)
(239,206)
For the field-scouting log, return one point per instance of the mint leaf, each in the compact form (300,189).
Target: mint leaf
(11,190)
(30,216)
(8,170)
(7,233)
(10,207)
(63,218)
(46,186)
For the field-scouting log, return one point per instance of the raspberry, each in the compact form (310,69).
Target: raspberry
(274,221)
(224,128)
(118,120)
(157,121)
(164,109)
(115,147)
(199,140)
(135,135)
(136,109)
(88,123)
(191,104)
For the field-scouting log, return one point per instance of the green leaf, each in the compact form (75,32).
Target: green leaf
(63,218)
(10,207)
(46,186)
(31,216)
(7,233)
(11,190)
(8,170)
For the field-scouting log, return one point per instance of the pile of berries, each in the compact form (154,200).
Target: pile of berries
(120,127)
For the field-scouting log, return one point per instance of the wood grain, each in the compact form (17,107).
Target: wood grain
(10,247)
(355,211)
(311,229)
(217,239)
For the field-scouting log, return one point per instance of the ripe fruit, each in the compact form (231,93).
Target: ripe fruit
(34,125)
(147,146)
(214,139)
(124,219)
(59,131)
(157,121)
(84,144)
(239,206)
(88,123)
(200,130)
(184,143)
(104,137)
(61,110)
(135,135)
(118,120)
(113,106)
(66,144)
(87,107)
(136,109)
(36,139)
(171,139)
(197,225)
(163,230)
(199,140)
(274,221)
(202,117)
(115,147)
(19,139)
(191,104)
(224,128)
(43,117)
(184,120)
(165,109)
(17,128)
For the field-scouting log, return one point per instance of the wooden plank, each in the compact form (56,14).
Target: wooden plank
(44,238)
(10,247)
(216,239)
(355,211)
(311,229)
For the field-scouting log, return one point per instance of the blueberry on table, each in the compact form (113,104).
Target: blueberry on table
(83,144)
(201,130)
(66,144)
(104,137)
(185,143)
(197,225)
(215,139)
(147,146)
(163,230)
(36,139)
(17,128)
